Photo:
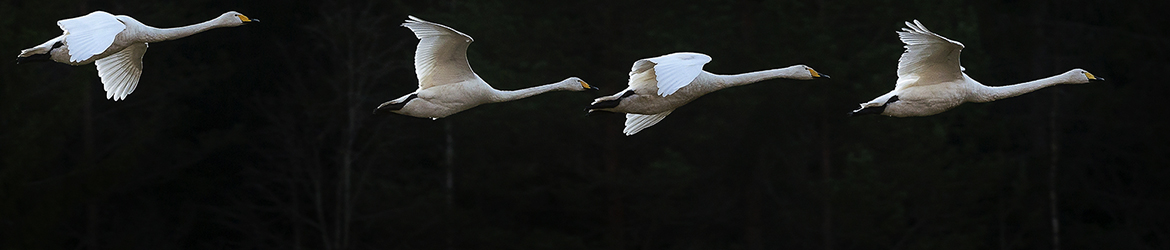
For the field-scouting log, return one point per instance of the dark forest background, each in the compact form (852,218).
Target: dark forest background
(261,137)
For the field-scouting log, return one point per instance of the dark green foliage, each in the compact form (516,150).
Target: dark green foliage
(260,137)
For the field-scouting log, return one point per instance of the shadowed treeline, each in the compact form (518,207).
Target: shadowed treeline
(261,137)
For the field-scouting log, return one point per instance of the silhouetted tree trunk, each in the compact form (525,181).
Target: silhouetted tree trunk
(91,209)
(822,17)
(449,161)
(1041,66)
(1054,157)
(826,177)
(753,214)
(753,234)
(361,48)
(615,211)
(321,183)
(88,153)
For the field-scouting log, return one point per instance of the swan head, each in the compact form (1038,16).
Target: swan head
(576,84)
(802,72)
(232,19)
(1079,76)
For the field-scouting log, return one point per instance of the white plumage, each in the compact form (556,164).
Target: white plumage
(91,34)
(674,71)
(446,83)
(120,71)
(637,122)
(441,56)
(115,44)
(661,84)
(930,79)
(929,58)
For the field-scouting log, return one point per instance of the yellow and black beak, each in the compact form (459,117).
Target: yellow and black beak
(245,19)
(587,86)
(1093,77)
(817,75)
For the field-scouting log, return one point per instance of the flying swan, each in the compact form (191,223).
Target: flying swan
(931,81)
(661,84)
(446,83)
(116,45)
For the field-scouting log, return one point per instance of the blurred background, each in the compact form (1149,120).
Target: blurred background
(261,137)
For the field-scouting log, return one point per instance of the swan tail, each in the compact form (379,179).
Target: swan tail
(38,50)
(34,54)
(33,58)
(636,122)
(396,104)
(608,102)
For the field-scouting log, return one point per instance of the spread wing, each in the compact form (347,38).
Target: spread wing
(929,57)
(671,72)
(441,56)
(90,35)
(636,122)
(120,71)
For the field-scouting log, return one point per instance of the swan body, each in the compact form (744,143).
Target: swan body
(115,44)
(659,85)
(930,79)
(446,83)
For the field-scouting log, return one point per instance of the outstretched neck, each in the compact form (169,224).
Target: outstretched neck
(991,93)
(510,95)
(163,34)
(753,77)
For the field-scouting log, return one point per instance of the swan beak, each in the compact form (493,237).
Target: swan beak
(816,74)
(587,86)
(1093,77)
(245,19)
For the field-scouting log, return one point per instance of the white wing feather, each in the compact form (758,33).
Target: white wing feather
(673,71)
(636,122)
(120,71)
(90,35)
(929,57)
(441,56)
(642,76)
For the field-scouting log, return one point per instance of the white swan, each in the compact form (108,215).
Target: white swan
(116,45)
(446,83)
(931,81)
(661,84)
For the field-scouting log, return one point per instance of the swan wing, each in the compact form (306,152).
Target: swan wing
(120,71)
(90,34)
(441,56)
(671,72)
(929,57)
(637,122)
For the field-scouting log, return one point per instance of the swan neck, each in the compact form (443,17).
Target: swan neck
(992,93)
(163,34)
(753,77)
(511,95)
